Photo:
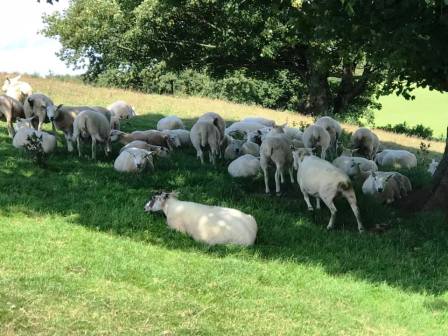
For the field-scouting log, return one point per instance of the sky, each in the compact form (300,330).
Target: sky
(22,48)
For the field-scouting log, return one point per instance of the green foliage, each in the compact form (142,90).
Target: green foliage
(403,128)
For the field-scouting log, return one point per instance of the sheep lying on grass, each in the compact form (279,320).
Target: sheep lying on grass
(10,110)
(244,166)
(157,150)
(134,160)
(354,166)
(25,131)
(122,110)
(396,158)
(209,224)
(365,143)
(152,137)
(387,187)
(260,120)
(170,123)
(17,89)
(244,127)
(315,137)
(182,135)
(319,178)
(92,125)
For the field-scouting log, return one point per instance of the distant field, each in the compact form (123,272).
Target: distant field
(429,108)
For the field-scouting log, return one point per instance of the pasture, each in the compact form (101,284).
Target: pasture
(79,256)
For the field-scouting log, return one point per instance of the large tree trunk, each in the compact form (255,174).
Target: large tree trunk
(439,195)
(318,100)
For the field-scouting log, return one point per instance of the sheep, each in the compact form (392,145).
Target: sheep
(157,150)
(62,118)
(353,166)
(122,110)
(10,110)
(276,149)
(205,133)
(243,127)
(94,125)
(182,135)
(152,137)
(16,89)
(114,122)
(216,120)
(209,224)
(386,186)
(293,133)
(258,135)
(233,149)
(333,128)
(319,178)
(39,105)
(260,120)
(433,166)
(170,123)
(245,166)
(134,160)
(396,158)
(250,148)
(365,143)
(21,139)
(316,136)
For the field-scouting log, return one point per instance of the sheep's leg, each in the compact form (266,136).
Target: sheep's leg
(351,199)
(93,148)
(68,139)
(200,155)
(322,154)
(11,130)
(277,180)
(291,174)
(78,142)
(329,203)
(306,197)
(318,203)
(264,167)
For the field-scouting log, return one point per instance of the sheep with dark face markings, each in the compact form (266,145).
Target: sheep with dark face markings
(209,224)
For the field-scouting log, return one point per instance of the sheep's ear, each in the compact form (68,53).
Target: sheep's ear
(59,106)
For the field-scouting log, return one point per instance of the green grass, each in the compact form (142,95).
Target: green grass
(429,109)
(78,255)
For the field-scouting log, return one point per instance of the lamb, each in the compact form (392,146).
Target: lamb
(182,135)
(209,224)
(134,160)
(152,137)
(316,136)
(17,89)
(94,125)
(396,158)
(433,166)
(10,110)
(39,105)
(353,166)
(205,133)
(122,110)
(21,138)
(319,178)
(386,187)
(260,120)
(365,143)
(245,166)
(276,149)
(156,150)
(333,128)
(170,123)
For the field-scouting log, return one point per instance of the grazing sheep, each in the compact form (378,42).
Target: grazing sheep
(10,110)
(94,125)
(209,224)
(170,123)
(245,166)
(396,158)
(152,137)
(24,130)
(203,134)
(353,166)
(38,105)
(260,120)
(250,148)
(276,149)
(122,110)
(156,150)
(365,143)
(134,160)
(319,178)
(182,135)
(16,89)
(316,136)
(386,187)
(433,166)
(216,120)
(333,128)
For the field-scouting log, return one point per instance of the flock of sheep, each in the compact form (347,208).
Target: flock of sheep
(252,145)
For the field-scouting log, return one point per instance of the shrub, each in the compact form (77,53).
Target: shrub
(403,128)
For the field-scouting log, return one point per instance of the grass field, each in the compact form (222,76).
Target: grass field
(78,256)
(430,108)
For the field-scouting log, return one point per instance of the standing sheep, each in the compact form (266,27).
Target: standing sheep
(319,178)
(209,224)
(203,134)
(365,143)
(316,136)
(122,110)
(10,110)
(39,105)
(93,125)
(216,120)
(333,128)
(170,123)
(396,158)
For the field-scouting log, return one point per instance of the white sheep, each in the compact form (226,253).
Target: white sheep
(250,147)
(260,120)
(386,186)
(433,166)
(205,134)
(245,166)
(122,110)
(365,143)
(243,127)
(333,128)
(156,150)
(209,224)
(293,133)
(353,166)
(92,125)
(316,136)
(170,123)
(21,138)
(397,158)
(233,149)
(182,135)
(17,89)
(319,178)
(134,160)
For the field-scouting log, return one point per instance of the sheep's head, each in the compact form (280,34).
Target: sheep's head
(175,140)
(115,135)
(141,158)
(234,148)
(379,181)
(161,151)
(53,113)
(299,154)
(158,200)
